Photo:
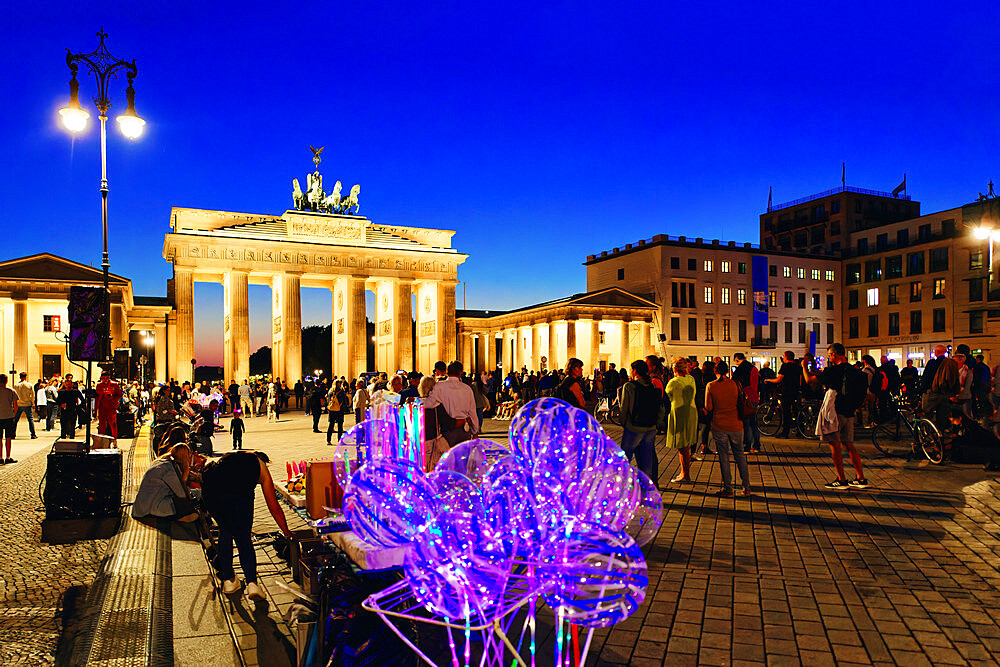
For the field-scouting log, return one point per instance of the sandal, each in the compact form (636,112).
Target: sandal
(680,479)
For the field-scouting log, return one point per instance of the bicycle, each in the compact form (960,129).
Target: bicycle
(905,432)
(805,420)
(606,410)
(769,416)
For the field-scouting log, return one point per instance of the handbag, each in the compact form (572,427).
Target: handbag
(744,406)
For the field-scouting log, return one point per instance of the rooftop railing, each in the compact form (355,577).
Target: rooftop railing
(834,191)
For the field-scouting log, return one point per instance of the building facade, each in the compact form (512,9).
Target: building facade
(705,293)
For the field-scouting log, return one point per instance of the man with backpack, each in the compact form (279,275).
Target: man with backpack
(851,385)
(642,409)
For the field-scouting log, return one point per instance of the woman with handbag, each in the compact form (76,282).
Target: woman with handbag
(722,400)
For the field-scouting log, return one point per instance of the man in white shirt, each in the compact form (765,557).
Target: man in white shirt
(245,399)
(25,404)
(458,401)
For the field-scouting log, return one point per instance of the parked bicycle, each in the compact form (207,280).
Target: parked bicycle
(608,410)
(769,416)
(907,434)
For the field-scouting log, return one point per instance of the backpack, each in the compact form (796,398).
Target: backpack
(853,389)
(645,406)
(333,404)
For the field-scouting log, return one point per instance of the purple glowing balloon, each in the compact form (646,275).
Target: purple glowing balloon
(388,500)
(648,514)
(369,440)
(472,458)
(511,513)
(595,574)
(607,493)
(544,420)
(503,466)
(455,492)
(456,568)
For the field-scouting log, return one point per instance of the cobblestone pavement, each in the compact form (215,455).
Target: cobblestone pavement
(34,576)
(906,572)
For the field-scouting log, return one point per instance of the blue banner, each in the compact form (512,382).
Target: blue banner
(760,296)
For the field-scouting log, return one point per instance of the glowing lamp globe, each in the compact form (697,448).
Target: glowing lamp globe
(74,118)
(130,124)
(981,233)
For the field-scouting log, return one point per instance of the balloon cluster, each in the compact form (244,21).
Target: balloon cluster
(562,503)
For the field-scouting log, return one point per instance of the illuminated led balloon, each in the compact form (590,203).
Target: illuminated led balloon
(456,568)
(369,440)
(648,514)
(563,461)
(455,492)
(472,458)
(607,493)
(503,466)
(387,501)
(545,420)
(511,513)
(597,575)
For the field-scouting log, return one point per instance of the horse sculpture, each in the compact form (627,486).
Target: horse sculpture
(298,198)
(332,201)
(351,201)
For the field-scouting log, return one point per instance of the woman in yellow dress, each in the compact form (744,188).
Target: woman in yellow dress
(682,424)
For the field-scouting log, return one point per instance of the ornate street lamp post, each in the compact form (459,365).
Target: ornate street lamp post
(104,67)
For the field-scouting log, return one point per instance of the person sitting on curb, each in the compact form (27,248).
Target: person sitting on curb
(162,492)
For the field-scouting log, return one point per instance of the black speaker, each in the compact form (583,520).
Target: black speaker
(126,425)
(83,486)
(121,363)
(88,324)
(662,337)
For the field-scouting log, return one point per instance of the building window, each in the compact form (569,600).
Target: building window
(829,333)
(939,285)
(724,266)
(873,296)
(800,273)
(724,295)
(939,259)
(675,262)
(893,324)
(621,274)
(802,300)
(873,326)
(852,299)
(853,274)
(835,206)
(873,270)
(691,302)
(815,274)
(742,267)
(692,328)
(938,320)
(835,225)
(675,328)
(772,330)
(975,260)
(725,331)
(708,265)
(51,323)
(924,233)
(902,238)
(600,337)
(862,246)
(692,264)
(772,270)
(829,274)
(976,289)
(786,271)
(708,295)
(802,333)
(916,291)
(815,301)
(893,294)
(709,329)
(915,264)
(741,297)
(817,235)
(788,299)
(772,299)
(976,322)
(742,330)
(894,267)
(916,322)
(881,242)
(788,332)
(829,302)
(852,327)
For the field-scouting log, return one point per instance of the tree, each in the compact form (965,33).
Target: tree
(317,349)
(260,362)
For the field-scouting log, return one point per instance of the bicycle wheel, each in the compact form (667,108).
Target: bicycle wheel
(805,421)
(930,440)
(769,419)
(893,438)
(615,416)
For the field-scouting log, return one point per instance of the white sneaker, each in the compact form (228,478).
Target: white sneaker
(231,586)
(255,592)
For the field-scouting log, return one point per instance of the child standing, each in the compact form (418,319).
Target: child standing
(237,428)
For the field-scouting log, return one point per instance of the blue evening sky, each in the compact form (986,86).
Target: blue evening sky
(539,132)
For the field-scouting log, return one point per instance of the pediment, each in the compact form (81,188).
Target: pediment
(51,268)
(612,297)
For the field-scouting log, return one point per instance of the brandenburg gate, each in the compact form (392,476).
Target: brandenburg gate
(318,244)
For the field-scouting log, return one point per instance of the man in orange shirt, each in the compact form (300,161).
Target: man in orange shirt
(109,395)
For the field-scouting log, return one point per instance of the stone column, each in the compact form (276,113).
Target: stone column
(536,347)
(519,360)
(291,322)
(446,321)
(20,338)
(184,305)
(466,343)
(357,334)
(505,349)
(570,339)
(489,350)
(595,344)
(236,326)
(644,334)
(623,355)
(160,352)
(402,325)
(117,330)
(553,353)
